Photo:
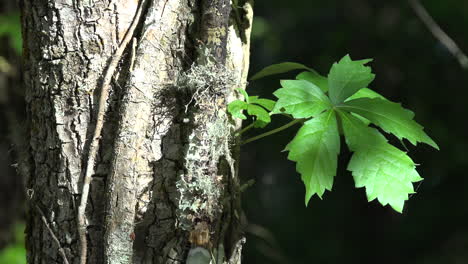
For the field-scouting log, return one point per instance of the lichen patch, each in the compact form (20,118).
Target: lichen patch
(201,183)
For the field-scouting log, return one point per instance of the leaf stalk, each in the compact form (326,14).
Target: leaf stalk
(274,131)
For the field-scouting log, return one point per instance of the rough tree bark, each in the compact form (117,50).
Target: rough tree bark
(165,179)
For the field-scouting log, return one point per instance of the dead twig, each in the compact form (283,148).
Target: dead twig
(54,237)
(438,33)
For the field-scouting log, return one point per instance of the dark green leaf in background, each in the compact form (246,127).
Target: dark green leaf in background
(279,68)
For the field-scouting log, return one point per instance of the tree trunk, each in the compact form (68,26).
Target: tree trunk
(164,186)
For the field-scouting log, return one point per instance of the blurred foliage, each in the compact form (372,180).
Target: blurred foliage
(10,26)
(15,253)
(5,67)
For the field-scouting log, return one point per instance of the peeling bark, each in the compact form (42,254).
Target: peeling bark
(166,178)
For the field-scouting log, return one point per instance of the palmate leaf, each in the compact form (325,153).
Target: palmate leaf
(391,117)
(301,99)
(315,78)
(347,77)
(315,149)
(386,172)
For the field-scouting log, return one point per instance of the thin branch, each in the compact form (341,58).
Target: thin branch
(54,237)
(270,247)
(246,185)
(93,149)
(438,33)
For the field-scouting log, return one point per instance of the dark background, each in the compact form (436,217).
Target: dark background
(413,68)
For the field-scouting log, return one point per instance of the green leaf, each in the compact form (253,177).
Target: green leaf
(262,116)
(244,93)
(235,108)
(365,93)
(391,117)
(301,99)
(315,149)
(346,77)
(315,78)
(368,93)
(279,68)
(265,103)
(386,172)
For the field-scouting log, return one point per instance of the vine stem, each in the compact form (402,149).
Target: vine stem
(94,146)
(271,132)
(243,130)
